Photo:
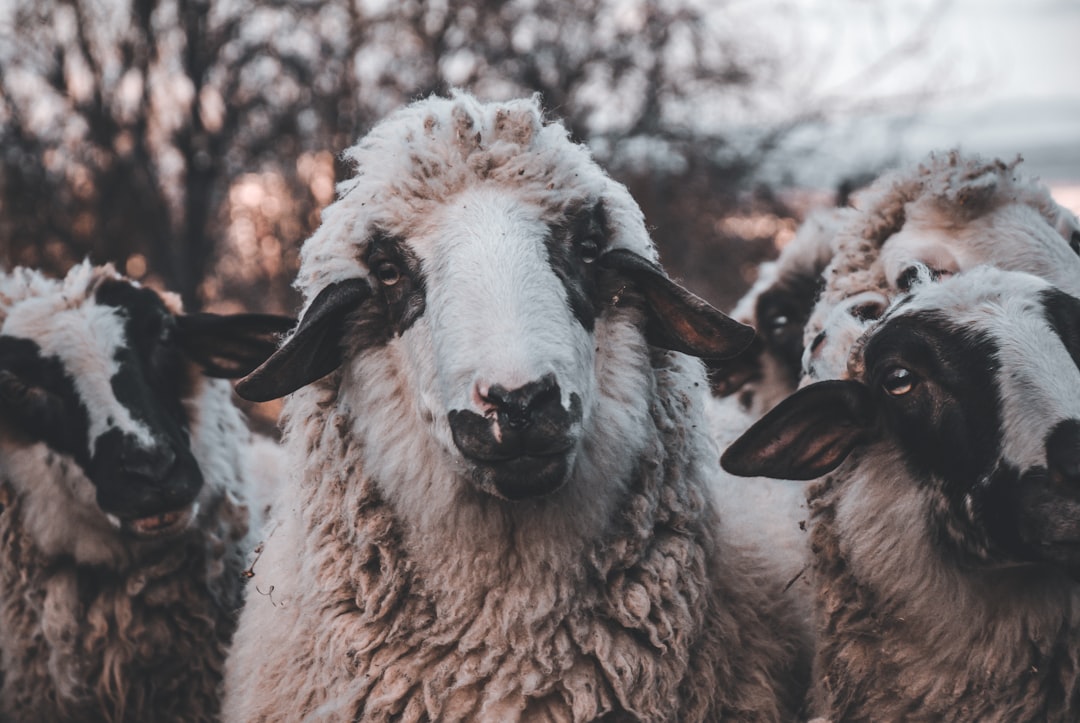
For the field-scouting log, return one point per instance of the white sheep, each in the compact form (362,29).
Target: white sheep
(950,213)
(945,539)
(502,509)
(123,513)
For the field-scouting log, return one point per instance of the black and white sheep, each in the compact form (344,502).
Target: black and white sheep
(770,515)
(503,511)
(778,306)
(952,212)
(123,517)
(946,537)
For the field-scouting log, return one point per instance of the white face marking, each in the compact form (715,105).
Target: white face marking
(1037,379)
(85,339)
(496,311)
(845,324)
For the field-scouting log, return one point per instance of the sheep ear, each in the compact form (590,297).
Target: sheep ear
(231,345)
(805,436)
(727,376)
(314,350)
(678,320)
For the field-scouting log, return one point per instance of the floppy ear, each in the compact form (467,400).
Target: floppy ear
(677,319)
(230,345)
(727,376)
(805,436)
(314,350)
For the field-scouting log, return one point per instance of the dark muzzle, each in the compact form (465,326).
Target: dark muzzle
(524,444)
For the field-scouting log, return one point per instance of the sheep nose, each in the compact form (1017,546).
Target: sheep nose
(1063,452)
(151,463)
(517,408)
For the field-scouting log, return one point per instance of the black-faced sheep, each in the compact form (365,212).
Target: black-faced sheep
(778,306)
(946,537)
(502,512)
(123,515)
(950,213)
(770,515)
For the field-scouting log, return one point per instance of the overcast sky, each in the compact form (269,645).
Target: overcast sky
(1004,77)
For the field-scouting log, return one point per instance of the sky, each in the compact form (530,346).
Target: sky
(996,77)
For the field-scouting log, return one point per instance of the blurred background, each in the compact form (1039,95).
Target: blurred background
(194,142)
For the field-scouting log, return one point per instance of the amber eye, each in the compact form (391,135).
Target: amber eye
(898,381)
(388,273)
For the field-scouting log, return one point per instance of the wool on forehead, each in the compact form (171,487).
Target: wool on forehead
(79,285)
(426,154)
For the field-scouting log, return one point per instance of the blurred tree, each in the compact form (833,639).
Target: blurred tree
(193,142)
(125,124)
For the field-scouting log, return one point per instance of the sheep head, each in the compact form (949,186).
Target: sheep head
(508,305)
(976,382)
(96,374)
(482,285)
(949,214)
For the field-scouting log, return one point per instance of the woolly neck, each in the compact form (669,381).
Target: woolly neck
(908,634)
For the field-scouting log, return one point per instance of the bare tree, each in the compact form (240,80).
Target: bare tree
(195,141)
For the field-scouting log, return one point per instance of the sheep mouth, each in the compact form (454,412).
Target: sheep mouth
(518,463)
(524,477)
(165,524)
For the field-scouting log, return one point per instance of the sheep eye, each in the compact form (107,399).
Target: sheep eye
(777,324)
(898,381)
(590,250)
(1074,242)
(388,273)
(16,392)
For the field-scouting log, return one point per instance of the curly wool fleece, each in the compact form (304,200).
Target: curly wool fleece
(390,590)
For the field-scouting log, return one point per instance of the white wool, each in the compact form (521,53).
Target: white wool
(391,586)
(950,213)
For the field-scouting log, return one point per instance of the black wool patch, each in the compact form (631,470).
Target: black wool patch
(38,400)
(949,423)
(573,244)
(781,313)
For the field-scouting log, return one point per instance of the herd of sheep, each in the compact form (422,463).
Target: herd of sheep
(525,475)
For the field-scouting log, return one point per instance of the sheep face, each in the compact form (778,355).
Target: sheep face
(95,374)
(992,222)
(975,382)
(778,306)
(506,325)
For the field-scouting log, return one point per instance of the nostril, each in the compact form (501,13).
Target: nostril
(517,407)
(153,464)
(817,342)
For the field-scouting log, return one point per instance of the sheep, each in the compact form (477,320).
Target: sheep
(778,305)
(123,502)
(770,515)
(501,508)
(952,212)
(945,536)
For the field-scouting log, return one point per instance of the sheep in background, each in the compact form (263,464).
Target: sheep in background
(950,213)
(777,306)
(502,512)
(946,537)
(770,515)
(123,499)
